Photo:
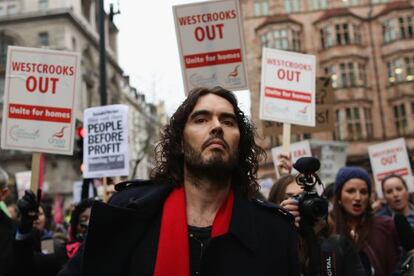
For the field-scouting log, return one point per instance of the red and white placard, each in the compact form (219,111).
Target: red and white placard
(39,100)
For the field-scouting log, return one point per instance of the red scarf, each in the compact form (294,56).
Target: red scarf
(173,249)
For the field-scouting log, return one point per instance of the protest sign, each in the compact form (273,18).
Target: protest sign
(324,117)
(105,147)
(332,155)
(287,92)
(77,191)
(39,100)
(211,44)
(388,158)
(265,186)
(297,150)
(23,182)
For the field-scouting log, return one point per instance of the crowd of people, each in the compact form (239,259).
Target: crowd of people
(201,214)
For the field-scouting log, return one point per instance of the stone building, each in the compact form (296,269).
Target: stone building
(72,25)
(365,46)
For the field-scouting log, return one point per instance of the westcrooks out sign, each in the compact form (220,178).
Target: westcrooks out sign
(39,100)
(210,40)
(287,91)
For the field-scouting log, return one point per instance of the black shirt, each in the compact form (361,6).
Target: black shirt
(198,238)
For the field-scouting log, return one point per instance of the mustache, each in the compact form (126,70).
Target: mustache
(215,137)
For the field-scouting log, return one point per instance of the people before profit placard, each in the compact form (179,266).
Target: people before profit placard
(395,191)
(197,215)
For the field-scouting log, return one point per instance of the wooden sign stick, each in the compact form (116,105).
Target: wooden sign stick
(36,172)
(286,138)
(105,189)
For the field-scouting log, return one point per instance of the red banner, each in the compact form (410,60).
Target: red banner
(213,58)
(40,113)
(288,95)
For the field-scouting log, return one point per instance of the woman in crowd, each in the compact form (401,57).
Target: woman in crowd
(374,237)
(344,261)
(395,191)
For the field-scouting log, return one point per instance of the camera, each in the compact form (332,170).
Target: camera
(312,207)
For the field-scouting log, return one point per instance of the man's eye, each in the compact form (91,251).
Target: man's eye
(229,122)
(200,120)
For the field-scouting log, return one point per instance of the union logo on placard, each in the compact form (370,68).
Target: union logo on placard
(233,76)
(57,138)
(197,80)
(18,133)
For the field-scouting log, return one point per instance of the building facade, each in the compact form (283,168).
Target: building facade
(366,47)
(72,25)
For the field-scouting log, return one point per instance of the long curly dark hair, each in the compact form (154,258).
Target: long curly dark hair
(169,156)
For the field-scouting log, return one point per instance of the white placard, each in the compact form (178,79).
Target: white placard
(77,191)
(39,100)
(105,147)
(211,44)
(332,155)
(287,92)
(23,180)
(297,150)
(390,158)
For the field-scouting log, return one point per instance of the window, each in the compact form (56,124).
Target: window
(400,120)
(339,133)
(398,28)
(296,41)
(340,34)
(285,39)
(281,39)
(261,7)
(395,71)
(368,122)
(347,74)
(378,1)
(331,71)
(389,30)
(406,26)
(327,34)
(318,4)
(362,80)
(409,68)
(354,128)
(44,39)
(43,4)
(292,6)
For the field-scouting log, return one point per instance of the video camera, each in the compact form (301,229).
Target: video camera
(312,207)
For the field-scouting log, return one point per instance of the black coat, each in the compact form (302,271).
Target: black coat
(123,238)
(7,232)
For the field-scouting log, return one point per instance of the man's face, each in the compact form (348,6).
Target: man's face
(211,134)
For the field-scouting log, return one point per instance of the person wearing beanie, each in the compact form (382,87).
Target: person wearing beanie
(374,237)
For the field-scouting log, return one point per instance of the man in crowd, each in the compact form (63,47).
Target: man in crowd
(7,226)
(197,215)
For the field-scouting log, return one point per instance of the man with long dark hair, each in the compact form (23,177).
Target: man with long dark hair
(197,215)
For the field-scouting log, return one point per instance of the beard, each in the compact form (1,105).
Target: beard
(215,168)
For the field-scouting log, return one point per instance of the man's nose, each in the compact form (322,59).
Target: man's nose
(216,127)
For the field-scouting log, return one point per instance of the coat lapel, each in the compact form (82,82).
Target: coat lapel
(114,231)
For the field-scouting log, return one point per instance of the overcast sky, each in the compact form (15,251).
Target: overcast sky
(148,51)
